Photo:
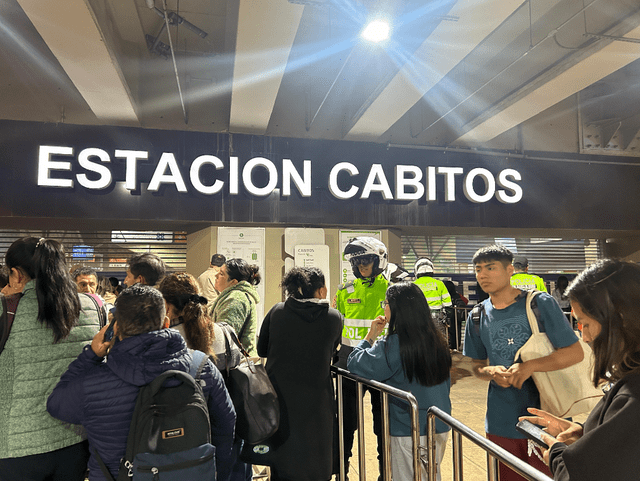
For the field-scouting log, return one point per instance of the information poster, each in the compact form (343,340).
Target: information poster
(346,274)
(314,256)
(246,243)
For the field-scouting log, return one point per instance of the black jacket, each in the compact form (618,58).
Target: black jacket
(609,447)
(102,395)
(298,338)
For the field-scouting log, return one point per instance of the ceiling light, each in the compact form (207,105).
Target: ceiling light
(376,31)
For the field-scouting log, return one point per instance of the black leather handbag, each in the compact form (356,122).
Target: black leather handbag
(254,398)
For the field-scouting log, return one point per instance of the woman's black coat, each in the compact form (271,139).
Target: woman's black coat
(299,339)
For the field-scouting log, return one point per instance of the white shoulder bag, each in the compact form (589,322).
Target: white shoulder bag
(566,392)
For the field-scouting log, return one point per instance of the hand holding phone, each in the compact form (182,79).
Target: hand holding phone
(108,334)
(533,432)
(103,340)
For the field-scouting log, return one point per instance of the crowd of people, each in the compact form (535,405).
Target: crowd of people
(69,390)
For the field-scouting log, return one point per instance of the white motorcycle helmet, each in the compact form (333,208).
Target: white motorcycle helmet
(364,250)
(423,267)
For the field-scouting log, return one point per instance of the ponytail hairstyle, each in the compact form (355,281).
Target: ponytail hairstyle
(182,292)
(424,352)
(241,270)
(43,260)
(302,282)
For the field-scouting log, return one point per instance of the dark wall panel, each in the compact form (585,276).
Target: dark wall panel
(573,192)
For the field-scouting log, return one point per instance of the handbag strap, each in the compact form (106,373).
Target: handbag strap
(229,337)
(531,315)
(100,307)
(236,340)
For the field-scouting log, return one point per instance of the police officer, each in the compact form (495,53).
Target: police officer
(522,279)
(435,291)
(360,301)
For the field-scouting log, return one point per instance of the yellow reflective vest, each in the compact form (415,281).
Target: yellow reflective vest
(435,291)
(525,281)
(359,302)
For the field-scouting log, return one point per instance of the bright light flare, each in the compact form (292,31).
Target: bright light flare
(376,31)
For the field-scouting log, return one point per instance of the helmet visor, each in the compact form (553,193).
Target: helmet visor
(362,260)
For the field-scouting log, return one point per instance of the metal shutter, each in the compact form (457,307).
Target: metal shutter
(453,254)
(107,251)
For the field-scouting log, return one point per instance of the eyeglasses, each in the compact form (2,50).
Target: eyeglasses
(384,304)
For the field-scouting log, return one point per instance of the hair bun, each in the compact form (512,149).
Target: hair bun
(195,298)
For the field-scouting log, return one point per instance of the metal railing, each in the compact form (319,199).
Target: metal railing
(385,391)
(463,312)
(495,453)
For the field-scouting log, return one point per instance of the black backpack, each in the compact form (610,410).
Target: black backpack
(170,432)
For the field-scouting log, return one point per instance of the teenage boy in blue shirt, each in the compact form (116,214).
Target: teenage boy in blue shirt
(502,330)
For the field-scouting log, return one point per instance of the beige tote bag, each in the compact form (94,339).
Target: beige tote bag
(566,392)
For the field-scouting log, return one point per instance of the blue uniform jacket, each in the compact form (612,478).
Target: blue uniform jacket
(101,395)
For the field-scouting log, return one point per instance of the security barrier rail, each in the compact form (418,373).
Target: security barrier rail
(386,451)
(494,452)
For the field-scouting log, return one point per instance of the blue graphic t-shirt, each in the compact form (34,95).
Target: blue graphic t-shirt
(502,333)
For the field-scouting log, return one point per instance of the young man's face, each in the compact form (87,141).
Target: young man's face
(131,279)
(493,276)
(87,283)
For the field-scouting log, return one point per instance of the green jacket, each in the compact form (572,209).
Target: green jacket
(359,302)
(30,367)
(235,305)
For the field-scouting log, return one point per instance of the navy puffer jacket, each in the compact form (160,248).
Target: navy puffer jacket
(102,395)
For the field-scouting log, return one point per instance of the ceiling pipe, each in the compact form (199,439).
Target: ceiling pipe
(175,19)
(175,65)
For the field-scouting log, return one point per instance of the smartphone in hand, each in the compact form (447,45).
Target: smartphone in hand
(108,334)
(533,432)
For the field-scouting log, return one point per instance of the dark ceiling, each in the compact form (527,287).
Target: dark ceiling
(465,73)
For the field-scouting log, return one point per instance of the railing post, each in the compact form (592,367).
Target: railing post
(415,438)
(386,440)
(456,446)
(431,445)
(339,395)
(493,468)
(361,449)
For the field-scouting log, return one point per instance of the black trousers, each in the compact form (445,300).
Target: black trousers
(66,464)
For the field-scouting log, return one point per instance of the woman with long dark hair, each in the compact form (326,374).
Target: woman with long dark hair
(236,303)
(604,299)
(412,356)
(299,338)
(187,310)
(52,323)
